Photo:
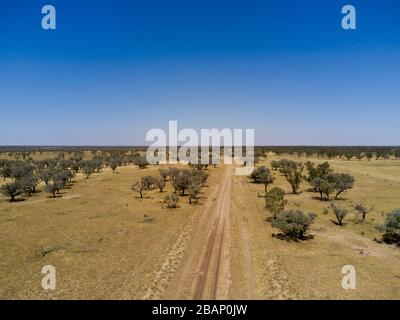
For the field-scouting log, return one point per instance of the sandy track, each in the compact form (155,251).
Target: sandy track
(209,282)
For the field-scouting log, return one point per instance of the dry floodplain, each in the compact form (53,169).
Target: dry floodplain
(107,243)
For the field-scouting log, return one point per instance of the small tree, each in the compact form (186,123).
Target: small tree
(148,182)
(53,188)
(138,187)
(294,223)
(171,200)
(275,201)
(391,227)
(339,212)
(293,173)
(361,210)
(11,190)
(342,182)
(88,168)
(182,181)
(28,184)
(141,162)
(160,183)
(323,186)
(263,176)
(164,173)
(194,190)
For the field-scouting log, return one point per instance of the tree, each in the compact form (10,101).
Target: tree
(320,171)
(160,183)
(164,173)
(275,201)
(391,227)
(182,181)
(274,165)
(293,173)
(114,163)
(148,182)
(11,190)
(294,223)
(88,168)
(361,210)
(138,187)
(28,184)
(339,212)
(171,200)
(141,162)
(194,190)
(342,182)
(324,187)
(263,176)
(53,188)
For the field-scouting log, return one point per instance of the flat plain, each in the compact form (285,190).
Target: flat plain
(107,243)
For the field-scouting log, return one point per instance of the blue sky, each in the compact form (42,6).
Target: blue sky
(114,69)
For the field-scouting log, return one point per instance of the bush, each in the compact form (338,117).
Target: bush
(275,201)
(294,223)
(160,183)
(53,188)
(391,227)
(171,200)
(263,176)
(11,190)
(339,212)
(293,173)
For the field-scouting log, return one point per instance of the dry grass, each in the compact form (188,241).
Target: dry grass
(102,245)
(96,236)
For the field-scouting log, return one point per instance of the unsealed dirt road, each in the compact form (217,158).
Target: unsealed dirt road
(203,272)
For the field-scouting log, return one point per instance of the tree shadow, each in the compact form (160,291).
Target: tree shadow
(290,238)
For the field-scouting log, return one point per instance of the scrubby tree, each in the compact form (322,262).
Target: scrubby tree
(28,184)
(263,176)
(324,187)
(361,210)
(171,200)
(342,182)
(88,168)
(339,212)
(294,223)
(275,201)
(293,173)
(141,162)
(138,187)
(193,190)
(391,227)
(182,181)
(11,190)
(160,183)
(53,188)
(164,173)
(148,182)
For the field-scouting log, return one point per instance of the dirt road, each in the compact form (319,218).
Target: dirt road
(202,271)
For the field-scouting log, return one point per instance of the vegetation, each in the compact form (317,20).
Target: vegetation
(294,223)
(391,227)
(275,201)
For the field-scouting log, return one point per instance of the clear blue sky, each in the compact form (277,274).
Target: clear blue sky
(114,69)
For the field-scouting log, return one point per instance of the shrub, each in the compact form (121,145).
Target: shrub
(53,188)
(263,176)
(293,173)
(391,227)
(171,200)
(294,223)
(160,183)
(148,182)
(138,187)
(194,190)
(361,210)
(342,182)
(275,201)
(164,173)
(339,212)
(11,190)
